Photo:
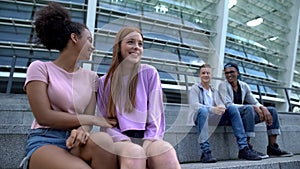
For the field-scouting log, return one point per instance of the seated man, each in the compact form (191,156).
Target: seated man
(235,92)
(205,102)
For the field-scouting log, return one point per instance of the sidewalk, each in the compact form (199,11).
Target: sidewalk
(270,163)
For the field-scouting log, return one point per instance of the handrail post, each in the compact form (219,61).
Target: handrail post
(259,94)
(288,99)
(11,75)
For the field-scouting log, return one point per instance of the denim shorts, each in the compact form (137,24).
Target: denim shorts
(44,136)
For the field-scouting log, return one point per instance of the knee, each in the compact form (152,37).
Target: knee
(272,110)
(131,150)
(249,110)
(126,162)
(161,153)
(158,147)
(203,113)
(130,155)
(101,140)
(233,110)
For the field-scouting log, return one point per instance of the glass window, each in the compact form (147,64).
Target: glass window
(195,21)
(271,77)
(122,7)
(101,69)
(162,17)
(11,33)
(166,76)
(7,52)
(102,20)
(262,89)
(190,56)
(5,61)
(15,10)
(14,52)
(101,63)
(255,73)
(104,43)
(198,40)
(241,69)
(78,16)
(44,54)
(21,62)
(257,58)
(294,96)
(253,88)
(114,25)
(234,52)
(160,54)
(153,35)
(270,91)
(160,32)
(74,1)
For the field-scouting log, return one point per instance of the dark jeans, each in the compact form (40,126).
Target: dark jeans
(231,116)
(250,118)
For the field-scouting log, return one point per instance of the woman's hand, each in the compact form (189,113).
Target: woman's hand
(77,137)
(104,122)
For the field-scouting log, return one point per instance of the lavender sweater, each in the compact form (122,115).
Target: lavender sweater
(148,114)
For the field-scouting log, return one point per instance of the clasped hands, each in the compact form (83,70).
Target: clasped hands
(80,135)
(219,110)
(264,114)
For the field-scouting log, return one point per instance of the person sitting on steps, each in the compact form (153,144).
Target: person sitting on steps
(237,92)
(206,105)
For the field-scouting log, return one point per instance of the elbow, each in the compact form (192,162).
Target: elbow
(45,120)
(42,121)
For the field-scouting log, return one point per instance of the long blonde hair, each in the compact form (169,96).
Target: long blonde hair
(115,76)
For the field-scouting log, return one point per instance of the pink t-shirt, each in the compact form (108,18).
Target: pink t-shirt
(67,92)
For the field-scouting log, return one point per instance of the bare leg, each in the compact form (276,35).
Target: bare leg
(98,151)
(161,155)
(130,155)
(272,139)
(248,140)
(50,157)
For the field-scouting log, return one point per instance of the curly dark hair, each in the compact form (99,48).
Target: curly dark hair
(53,26)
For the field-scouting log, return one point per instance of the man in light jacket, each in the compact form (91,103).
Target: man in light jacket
(238,93)
(205,104)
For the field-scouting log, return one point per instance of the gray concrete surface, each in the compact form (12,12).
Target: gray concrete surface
(16,117)
(270,163)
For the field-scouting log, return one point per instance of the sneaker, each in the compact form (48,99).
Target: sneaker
(262,155)
(206,157)
(248,154)
(274,150)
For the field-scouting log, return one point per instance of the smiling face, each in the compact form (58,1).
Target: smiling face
(85,45)
(132,47)
(231,74)
(205,75)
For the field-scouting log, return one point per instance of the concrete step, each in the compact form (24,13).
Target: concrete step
(16,118)
(270,163)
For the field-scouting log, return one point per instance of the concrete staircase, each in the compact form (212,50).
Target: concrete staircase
(16,118)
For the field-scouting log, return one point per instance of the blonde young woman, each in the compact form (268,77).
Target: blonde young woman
(62,97)
(131,94)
